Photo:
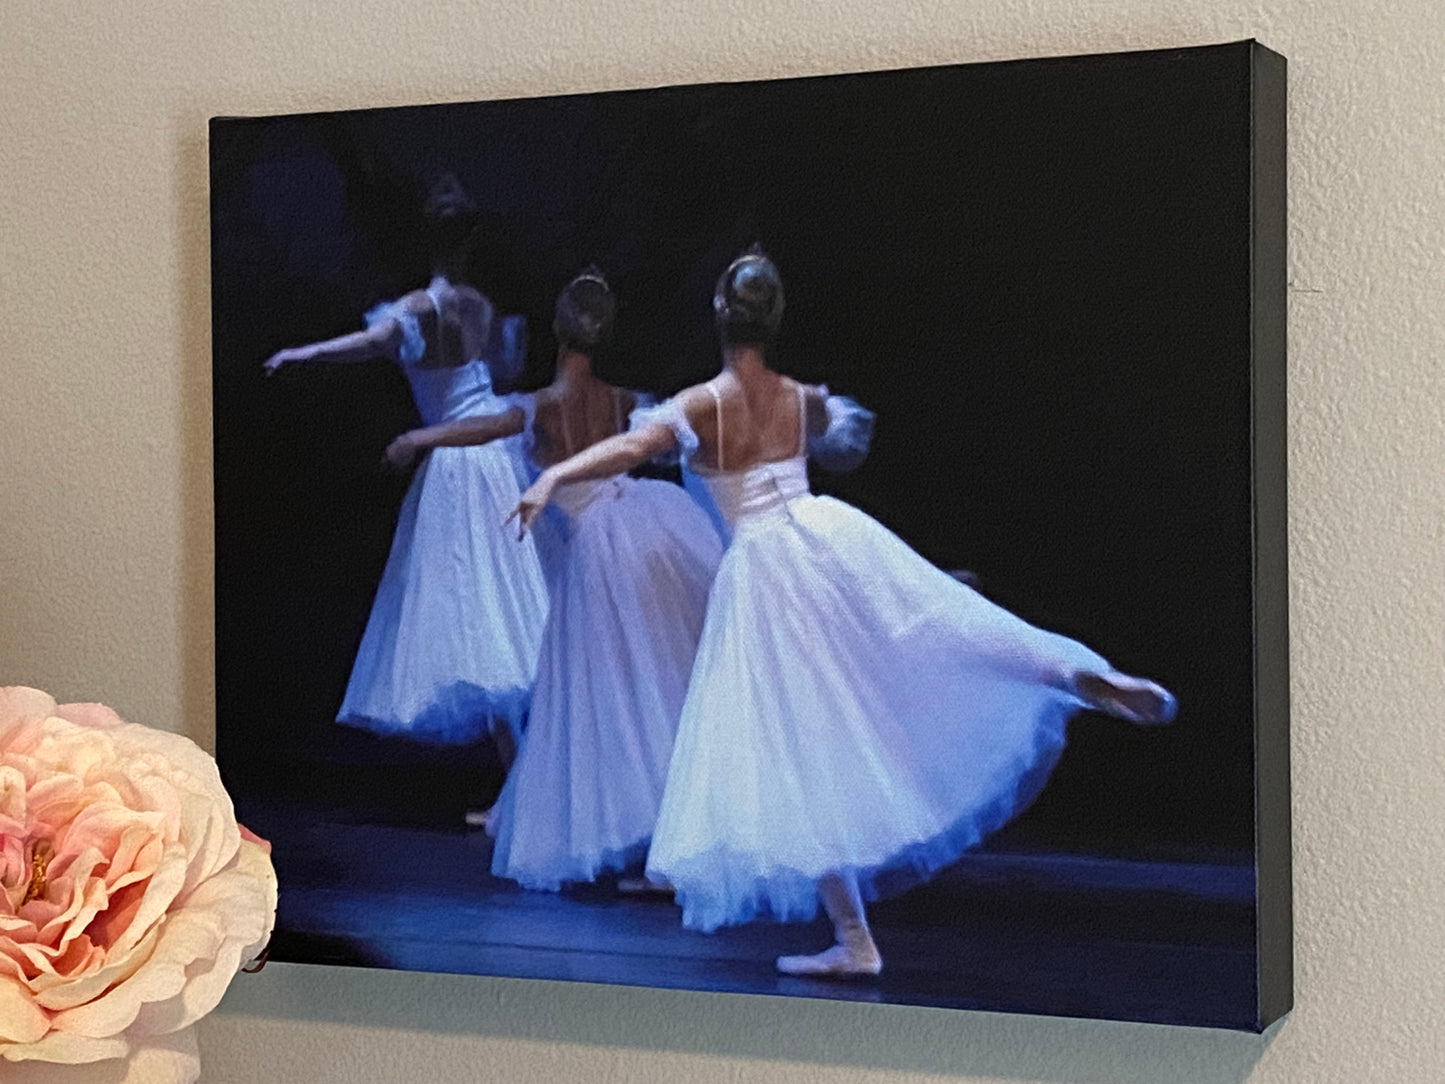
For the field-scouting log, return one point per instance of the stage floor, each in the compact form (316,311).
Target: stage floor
(1165,942)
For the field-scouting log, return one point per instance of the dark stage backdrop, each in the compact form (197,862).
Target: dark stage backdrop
(1035,273)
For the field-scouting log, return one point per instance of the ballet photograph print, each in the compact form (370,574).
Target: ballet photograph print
(819,537)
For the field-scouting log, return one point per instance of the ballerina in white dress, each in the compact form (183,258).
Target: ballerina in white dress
(857,718)
(626,613)
(450,647)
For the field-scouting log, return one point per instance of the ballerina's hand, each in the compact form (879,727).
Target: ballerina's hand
(278,359)
(530,506)
(401,453)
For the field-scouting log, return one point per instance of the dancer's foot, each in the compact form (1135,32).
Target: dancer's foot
(838,962)
(644,886)
(485,819)
(1132,699)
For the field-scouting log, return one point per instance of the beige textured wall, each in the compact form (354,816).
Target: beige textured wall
(105,543)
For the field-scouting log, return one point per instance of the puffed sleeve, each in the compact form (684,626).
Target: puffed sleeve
(507,348)
(413,346)
(670,414)
(844,444)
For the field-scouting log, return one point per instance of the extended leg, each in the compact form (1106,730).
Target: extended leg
(506,744)
(855,953)
(1130,698)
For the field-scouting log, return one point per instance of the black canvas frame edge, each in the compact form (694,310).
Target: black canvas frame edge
(1274,929)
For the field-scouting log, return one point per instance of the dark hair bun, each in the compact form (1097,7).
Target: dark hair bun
(585,311)
(446,198)
(748,301)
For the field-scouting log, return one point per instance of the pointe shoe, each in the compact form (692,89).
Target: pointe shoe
(644,886)
(838,962)
(485,819)
(1132,699)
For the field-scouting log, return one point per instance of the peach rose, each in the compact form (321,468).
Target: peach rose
(128,895)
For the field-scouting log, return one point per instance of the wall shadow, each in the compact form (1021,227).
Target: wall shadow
(755,1027)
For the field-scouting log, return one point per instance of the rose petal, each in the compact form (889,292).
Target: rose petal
(90,716)
(87,898)
(162,889)
(21,1020)
(175,752)
(240,890)
(17,702)
(184,780)
(13,802)
(197,953)
(167,1059)
(251,837)
(67,1049)
(260,867)
(117,970)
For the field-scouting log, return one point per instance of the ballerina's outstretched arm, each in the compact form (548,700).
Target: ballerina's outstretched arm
(382,339)
(604,459)
(481,429)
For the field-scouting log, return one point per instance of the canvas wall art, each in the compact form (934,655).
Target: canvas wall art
(819,537)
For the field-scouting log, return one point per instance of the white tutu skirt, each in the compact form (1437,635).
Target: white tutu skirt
(450,649)
(852,709)
(626,615)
